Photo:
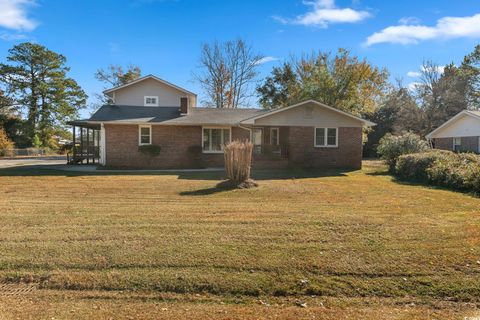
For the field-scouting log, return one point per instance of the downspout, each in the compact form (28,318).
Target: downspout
(248,129)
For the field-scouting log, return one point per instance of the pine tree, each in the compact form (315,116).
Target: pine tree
(36,79)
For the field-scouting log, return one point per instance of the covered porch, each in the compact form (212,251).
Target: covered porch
(86,143)
(270,143)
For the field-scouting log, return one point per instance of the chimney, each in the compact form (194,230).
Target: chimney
(183,105)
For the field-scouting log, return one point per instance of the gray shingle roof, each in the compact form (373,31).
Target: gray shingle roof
(170,115)
(135,114)
(214,116)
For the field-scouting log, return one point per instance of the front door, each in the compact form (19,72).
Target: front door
(257,140)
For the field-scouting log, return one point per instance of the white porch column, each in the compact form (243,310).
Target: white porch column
(102,146)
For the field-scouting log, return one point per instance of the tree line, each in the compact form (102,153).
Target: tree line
(34,82)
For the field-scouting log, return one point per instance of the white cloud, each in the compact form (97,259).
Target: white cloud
(439,69)
(267,59)
(409,20)
(413,74)
(324,13)
(417,74)
(13,15)
(446,28)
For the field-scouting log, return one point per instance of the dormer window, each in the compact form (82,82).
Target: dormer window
(150,101)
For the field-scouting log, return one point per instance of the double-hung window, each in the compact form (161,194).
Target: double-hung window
(274,136)
(457,144)
(144,135)
(326,137)
(150,101)
(214,139)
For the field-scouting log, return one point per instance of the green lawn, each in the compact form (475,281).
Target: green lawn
(350,243)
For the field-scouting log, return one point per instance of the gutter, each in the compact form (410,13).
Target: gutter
(245,128)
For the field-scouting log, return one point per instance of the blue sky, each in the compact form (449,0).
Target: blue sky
(163,37)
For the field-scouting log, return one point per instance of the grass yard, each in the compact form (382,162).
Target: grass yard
(355,244)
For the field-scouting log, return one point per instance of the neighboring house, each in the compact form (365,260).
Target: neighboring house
(151,111)
(460,133)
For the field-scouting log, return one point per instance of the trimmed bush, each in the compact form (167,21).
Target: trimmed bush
(413,167)
(460,171)
(391,147)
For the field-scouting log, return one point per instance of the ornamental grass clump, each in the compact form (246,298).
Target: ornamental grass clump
(238,161)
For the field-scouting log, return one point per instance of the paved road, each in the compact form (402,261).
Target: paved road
(38,161)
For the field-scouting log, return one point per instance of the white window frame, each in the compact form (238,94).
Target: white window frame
(453,142)
(150,104)
(221,128)
(140,135)
(325,138)
(278,136)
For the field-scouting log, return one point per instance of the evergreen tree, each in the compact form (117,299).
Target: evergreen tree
(36,80)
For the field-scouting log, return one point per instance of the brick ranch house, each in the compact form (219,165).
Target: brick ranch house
(460,133)
(151,111)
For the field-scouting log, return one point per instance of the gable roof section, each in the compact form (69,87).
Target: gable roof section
(474,114)
(275,111)
(150,76)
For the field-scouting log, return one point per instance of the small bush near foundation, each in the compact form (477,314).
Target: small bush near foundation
(460,171)
(238,161)
(150,150)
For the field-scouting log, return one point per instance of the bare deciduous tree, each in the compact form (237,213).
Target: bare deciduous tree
(227,70)
(114,76)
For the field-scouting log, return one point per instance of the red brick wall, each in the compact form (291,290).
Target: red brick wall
(469,144)
(443,143)
(122,147)
(348,154)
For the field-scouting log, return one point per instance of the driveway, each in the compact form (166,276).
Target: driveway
(37,161)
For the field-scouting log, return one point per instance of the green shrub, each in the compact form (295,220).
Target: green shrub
(460,171)
(413,167)
(391,147)
(150,150)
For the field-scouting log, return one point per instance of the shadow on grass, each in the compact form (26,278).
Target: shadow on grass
(220,187)
(379,173)
(259,174)
(422,183)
